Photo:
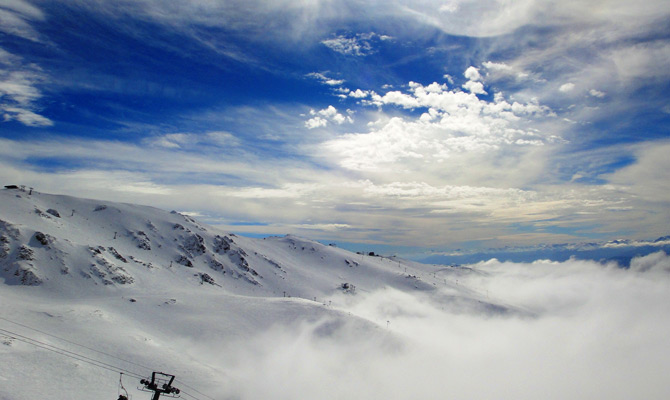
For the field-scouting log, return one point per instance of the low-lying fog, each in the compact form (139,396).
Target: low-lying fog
(576,330)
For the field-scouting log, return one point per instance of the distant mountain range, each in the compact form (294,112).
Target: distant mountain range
(621,251)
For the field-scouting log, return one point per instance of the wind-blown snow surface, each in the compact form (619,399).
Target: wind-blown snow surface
(165,293)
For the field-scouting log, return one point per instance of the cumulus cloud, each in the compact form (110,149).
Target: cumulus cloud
(358,93)
(474,87)
(472,74)
(474,84)
(565,330)
(322,117)
(454,124)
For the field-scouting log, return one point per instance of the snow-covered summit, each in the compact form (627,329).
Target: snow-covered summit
(63,242)
(162,290)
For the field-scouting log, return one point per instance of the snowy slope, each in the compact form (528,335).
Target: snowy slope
(161,290)
(66,244)
(90,288)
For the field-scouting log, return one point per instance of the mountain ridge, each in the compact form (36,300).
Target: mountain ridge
(58,241)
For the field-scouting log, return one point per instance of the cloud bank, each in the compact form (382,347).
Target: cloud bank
(577,330)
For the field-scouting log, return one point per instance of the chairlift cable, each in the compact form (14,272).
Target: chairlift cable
(86,359)
(67,353)
(190,395)
(192,388)
(113,369)
(76,344)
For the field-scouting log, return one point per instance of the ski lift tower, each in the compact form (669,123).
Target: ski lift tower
(160,383)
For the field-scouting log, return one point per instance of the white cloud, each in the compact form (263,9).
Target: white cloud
(25,116)
(316,122)
(193,141)
(487,18)
(646,177)
(499,330)
(641,61)
(19,92)
(474,87)
(496,70)
(359,94)
(322,117)
(597,93)
(461,142)
(449,78)
(360,44)
(497,66)
(567,87)
(472,74)
(15,18)
(450,6)
(455,123)
(324,79)
(348,46)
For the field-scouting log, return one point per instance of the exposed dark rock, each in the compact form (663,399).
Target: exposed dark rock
(117,255)
(27,277)
(194,244)
(53,212)
(183,260)
(222,244)
(205,278)
(26,253)
(142,240)
(348,288)
(41,238)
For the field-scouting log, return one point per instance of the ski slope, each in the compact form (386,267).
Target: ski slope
(91,288)
(138,282)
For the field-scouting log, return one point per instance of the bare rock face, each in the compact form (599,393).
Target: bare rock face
(41,238)
(19,270)
(106,270)
(194,245)
(183,260)
(26,253)
(142,240)
(53,212)
(27,277)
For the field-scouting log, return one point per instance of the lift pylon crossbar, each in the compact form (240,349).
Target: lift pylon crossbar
(160,383)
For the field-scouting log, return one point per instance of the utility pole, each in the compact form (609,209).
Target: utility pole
(160,384)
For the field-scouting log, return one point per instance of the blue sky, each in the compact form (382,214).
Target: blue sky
(398,124)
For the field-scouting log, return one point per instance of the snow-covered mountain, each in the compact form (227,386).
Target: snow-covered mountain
(157,287)
(73,245)
(90,289)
